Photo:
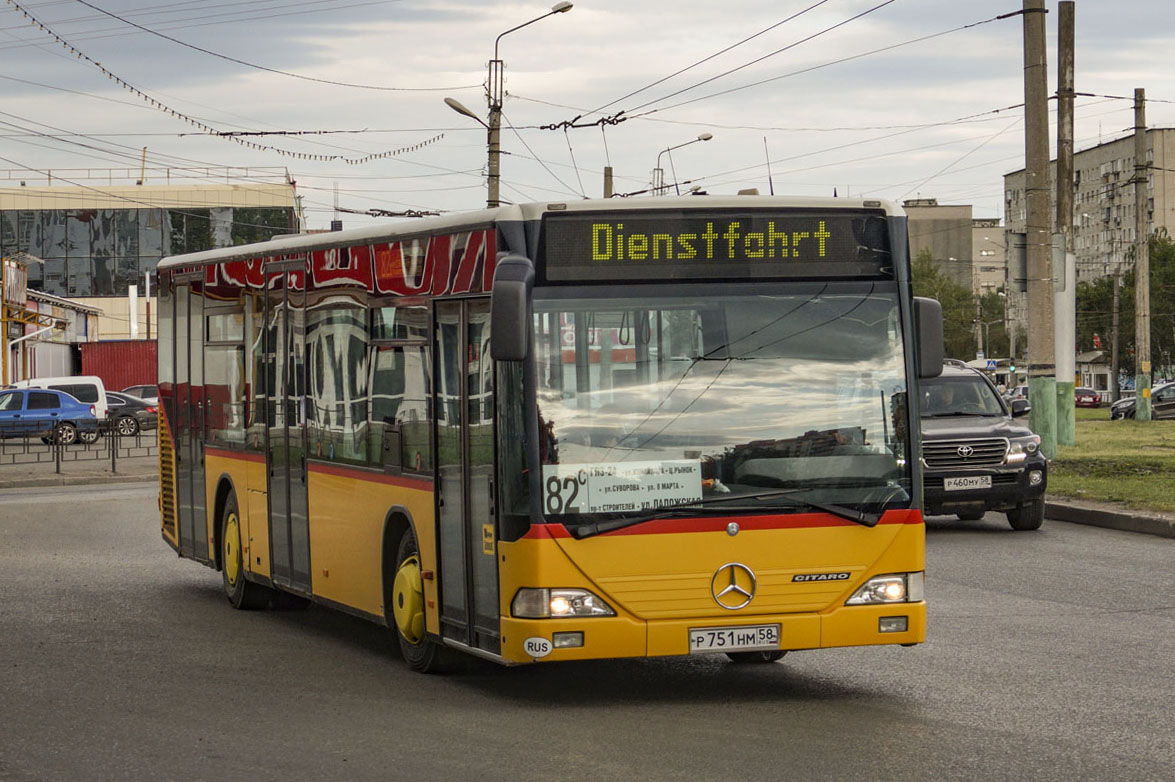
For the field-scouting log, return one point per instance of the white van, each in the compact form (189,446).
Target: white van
(84,388)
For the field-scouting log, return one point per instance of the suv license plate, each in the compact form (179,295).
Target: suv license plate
(749,638)
(967,482)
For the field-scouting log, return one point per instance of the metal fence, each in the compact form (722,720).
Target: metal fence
(108,449)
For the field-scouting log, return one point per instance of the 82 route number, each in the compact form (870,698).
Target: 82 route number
(562,493)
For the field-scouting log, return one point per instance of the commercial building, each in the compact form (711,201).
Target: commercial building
(97,241)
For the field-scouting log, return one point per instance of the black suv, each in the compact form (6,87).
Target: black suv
(976,457)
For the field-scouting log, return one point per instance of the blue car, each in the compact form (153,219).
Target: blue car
(36,412)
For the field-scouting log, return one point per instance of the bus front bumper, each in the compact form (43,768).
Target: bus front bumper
(544,640)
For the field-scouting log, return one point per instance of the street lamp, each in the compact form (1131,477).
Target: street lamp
(494,88)
(659,174)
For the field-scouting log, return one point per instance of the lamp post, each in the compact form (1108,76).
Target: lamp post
(659,173)
(494,93)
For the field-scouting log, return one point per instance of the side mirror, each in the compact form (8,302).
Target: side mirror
(510,308)
(1021,407)
(928,333)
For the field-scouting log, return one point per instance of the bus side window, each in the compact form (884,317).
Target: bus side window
(399,426)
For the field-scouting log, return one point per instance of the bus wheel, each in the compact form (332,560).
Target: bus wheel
(238,589)
(756,657)
(421,653)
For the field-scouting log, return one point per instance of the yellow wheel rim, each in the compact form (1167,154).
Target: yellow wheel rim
(232,549)
(408,600)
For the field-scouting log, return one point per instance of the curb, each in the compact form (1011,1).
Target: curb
(1111,518)
(76,480)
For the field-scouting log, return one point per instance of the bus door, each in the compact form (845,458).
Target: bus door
(285,389)
(466,524)
(189,423)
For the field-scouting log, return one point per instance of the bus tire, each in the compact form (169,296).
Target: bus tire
(1027,515)
(420,652)
(745,658)
(241,592)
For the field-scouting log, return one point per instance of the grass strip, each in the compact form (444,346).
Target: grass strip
(1128,462)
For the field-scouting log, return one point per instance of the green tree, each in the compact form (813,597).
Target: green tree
(958,305)
(1095,303)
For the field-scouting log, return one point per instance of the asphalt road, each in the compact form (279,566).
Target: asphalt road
(1049,658)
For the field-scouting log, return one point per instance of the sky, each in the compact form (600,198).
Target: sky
(889,99)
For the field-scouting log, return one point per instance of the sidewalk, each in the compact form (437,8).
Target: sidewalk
(75,473)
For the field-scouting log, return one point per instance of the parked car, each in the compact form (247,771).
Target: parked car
(975,456)
(129,414)
(46,414)
(1162,404)
(87,389)
(149,394)
(1086,397)
(1016,392)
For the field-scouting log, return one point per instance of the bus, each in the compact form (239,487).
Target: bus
(563,431)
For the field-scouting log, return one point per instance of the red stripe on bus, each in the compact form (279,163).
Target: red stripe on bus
(423,484)
(677,526)
(546,532)
(245,456)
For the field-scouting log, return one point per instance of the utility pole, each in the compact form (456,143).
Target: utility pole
(1142,267)
(1115,360)
(1042,383)
(1065,316)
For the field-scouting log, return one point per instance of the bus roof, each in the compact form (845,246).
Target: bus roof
(388,232)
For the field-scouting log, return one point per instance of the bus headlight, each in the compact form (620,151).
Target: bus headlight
(892,588)
(1020,448)
(530,603)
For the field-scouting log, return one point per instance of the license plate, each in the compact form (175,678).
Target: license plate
(749,638)
(967,482)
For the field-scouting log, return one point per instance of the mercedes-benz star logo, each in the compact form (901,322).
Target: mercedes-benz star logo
(965,451)
(733,586)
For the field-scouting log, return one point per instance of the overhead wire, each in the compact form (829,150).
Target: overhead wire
(764,57)
(268,69)
(206,127)
(284,14)
(817,67)
(706,59)
(541,162)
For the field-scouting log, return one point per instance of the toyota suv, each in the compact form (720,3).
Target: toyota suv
(976,456)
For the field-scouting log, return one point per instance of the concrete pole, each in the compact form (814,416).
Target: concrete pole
(608,182)
(1115,360)
(494,133)
(132,308)
(1065,315)
(1042,383)
(1142,267)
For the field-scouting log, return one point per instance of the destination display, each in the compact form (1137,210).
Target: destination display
(658,245)
(621,486)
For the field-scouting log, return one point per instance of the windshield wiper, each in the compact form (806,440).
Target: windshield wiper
(668,511)
(952,414)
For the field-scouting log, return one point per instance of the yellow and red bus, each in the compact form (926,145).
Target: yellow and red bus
(561,431)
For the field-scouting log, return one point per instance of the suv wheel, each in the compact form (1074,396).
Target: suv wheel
(1027,515)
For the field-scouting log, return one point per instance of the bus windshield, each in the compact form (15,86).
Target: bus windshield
(658,399)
